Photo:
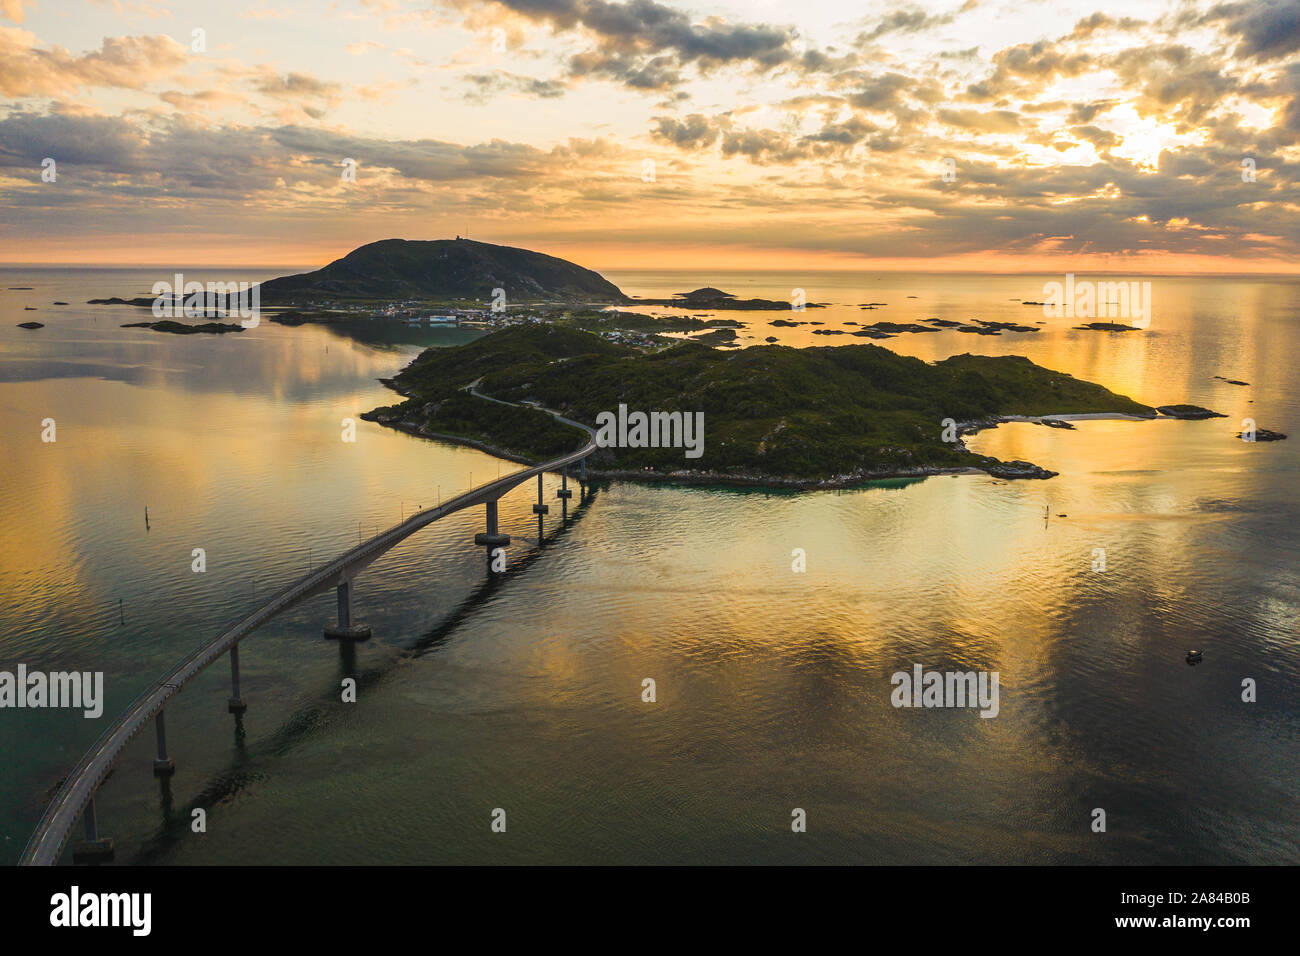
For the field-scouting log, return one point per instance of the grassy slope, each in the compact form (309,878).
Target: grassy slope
(798,413)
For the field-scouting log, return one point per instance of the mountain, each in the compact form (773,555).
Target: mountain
(444,269)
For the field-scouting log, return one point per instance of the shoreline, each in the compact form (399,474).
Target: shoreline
(694,477)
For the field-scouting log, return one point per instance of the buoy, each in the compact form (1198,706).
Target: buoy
(1193,657)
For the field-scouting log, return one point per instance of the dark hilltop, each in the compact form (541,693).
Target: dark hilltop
(444,269)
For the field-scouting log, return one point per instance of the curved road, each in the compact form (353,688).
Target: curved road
(51,834)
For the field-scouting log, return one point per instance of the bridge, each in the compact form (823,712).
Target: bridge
(76,795)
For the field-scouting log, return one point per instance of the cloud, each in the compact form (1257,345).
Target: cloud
(1267,29)
(694,132)
(911,20)
(1037,62)
(1101,22)
(124,62)
(1101,138)
(645,44)
(1172,80)
(486,85)
(830,147)
(202,100)
(994,121)
(656,73)
(298,94)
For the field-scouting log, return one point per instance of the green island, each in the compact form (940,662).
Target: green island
(774,415)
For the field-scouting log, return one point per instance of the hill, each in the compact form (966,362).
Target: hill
(444,269)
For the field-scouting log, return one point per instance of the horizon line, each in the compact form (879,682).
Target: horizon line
(292,269)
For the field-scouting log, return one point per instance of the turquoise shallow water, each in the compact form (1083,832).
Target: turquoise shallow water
(772,687)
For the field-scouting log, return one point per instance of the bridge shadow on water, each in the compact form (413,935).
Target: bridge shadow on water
(307,722)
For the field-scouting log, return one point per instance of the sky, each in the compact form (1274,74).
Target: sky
(982,135)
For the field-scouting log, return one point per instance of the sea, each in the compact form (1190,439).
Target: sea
(675,674)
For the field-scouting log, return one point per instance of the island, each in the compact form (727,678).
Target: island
(443,270)
(711,298)
(777,416)
(180,328)
(1194,412)
(1105,327)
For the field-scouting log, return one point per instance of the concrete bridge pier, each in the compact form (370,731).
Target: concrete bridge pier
(163,765)
(93,849)
(492,539)
(540,509)
(564,494)
(344,629)
(236,703)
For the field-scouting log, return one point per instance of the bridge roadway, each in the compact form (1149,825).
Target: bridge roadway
(78,788)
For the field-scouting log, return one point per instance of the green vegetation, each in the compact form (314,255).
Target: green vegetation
(770,411)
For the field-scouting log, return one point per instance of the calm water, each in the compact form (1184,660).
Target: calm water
(773,687)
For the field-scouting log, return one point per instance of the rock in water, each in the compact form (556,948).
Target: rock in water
(1262,434)
(1187,411)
